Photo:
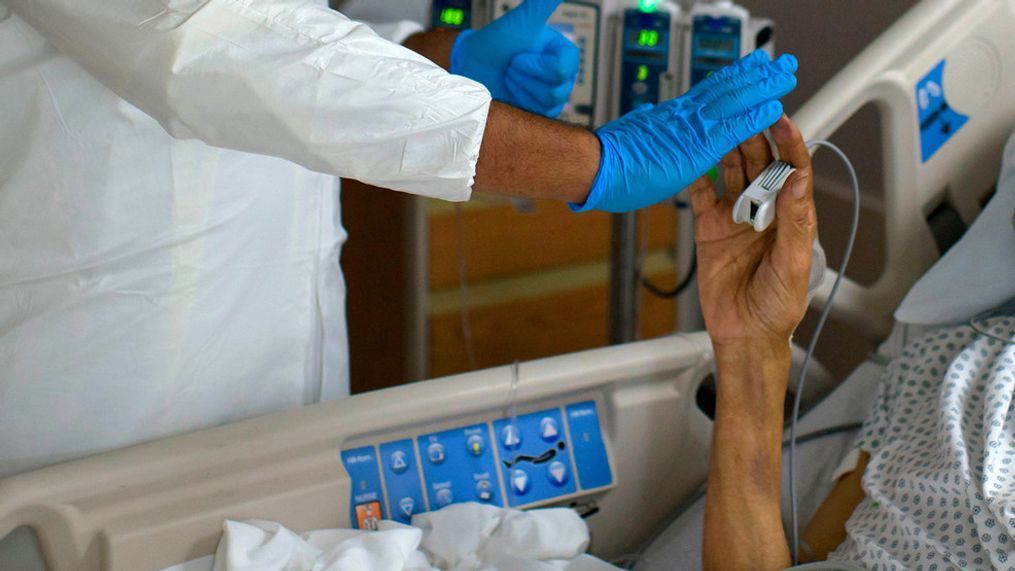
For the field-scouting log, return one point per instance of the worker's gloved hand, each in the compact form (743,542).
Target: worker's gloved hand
(520,59)
(655,152)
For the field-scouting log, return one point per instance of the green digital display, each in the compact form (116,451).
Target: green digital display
(642,72)
(648,38)
(648,6)
(453,16)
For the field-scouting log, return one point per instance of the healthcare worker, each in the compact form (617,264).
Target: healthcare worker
(169,213)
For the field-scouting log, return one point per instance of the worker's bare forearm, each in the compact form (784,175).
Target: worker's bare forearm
(743,527)
(527,156)
(523,155)
(434,45)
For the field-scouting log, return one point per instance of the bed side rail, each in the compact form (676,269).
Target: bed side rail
(162,503)
(973,40)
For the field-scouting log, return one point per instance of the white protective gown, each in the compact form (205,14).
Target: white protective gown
(169,214)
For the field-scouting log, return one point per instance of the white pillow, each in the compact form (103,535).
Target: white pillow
(978,273)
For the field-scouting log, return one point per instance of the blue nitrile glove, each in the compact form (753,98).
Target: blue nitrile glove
(520,59)
(655,152)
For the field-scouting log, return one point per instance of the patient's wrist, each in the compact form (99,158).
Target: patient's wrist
(752,350)
(762,364)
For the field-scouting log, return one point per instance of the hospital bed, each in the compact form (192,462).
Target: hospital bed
(629,442)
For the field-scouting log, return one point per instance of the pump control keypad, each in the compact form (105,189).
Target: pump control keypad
(536,458)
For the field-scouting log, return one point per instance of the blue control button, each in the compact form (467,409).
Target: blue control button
(484,491)
(401,478)
(406,507)
(588,447)
(520,482)
(557,473)
(543,441)
(548,429)
(444,497)
(362,465)
(469,459)
(475,444)
(511,437)
(435,452)
(398,461)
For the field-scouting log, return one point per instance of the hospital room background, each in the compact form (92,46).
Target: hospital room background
(489,329)
(537,278)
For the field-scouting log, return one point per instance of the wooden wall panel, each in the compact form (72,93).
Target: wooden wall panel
(535,327)
(500,241)
(375,262)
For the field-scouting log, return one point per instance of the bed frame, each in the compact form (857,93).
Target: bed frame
(162,503)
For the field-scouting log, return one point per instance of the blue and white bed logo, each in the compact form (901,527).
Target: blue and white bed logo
(938,121)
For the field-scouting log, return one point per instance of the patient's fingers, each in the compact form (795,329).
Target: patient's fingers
(797,217)
(790,142)
(796,229)
(703,196)
(757,155)
(733,173)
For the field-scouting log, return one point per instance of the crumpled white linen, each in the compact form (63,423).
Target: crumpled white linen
(460,537)
(478,537)
(266,545)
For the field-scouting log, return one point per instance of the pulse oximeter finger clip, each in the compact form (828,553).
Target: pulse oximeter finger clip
(756,206)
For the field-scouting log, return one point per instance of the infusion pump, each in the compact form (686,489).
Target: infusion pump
(633,52)
(582,21)
(583,24)
(664,51)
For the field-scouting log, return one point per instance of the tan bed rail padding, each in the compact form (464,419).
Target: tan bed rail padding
(162,503)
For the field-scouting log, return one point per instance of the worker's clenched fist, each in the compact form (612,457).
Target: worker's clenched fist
(520,59)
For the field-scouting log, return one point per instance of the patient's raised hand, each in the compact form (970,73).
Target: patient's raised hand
(753,286)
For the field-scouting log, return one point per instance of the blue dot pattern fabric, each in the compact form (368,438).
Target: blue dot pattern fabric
(940,485)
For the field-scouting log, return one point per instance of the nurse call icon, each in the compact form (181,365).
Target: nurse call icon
(368,515)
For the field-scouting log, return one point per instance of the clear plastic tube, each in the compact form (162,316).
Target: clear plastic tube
(513,415)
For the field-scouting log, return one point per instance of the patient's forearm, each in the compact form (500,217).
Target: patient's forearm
(743,527)
(827,529)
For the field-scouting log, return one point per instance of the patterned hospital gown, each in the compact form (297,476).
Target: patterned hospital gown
(941,481)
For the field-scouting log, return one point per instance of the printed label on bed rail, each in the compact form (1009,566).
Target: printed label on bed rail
(365,509)
(938,121)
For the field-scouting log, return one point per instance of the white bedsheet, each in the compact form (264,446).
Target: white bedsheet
(460,537)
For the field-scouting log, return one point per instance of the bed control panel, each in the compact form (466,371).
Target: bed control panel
(538,457)
(459,466)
